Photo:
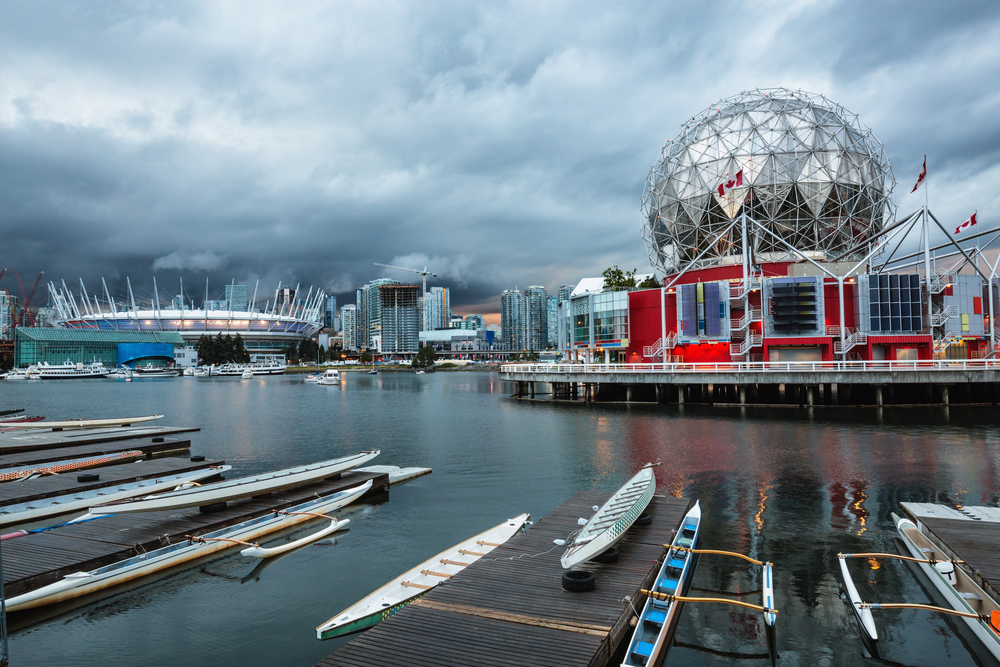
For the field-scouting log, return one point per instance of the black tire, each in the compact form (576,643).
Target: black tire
(578,581)
(213,508)
(644,520)
(609,556)
(157,439)
(197,459)
(88,477)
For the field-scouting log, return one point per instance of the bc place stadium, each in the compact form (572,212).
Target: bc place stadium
(86,326)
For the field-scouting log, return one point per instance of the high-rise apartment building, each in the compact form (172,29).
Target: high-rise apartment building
(512,320)
(8,312)
(536,317)
(437,309)
(553,321)
(399,312)
(369,311)
(330,313)
(475,322)
(236,295)
(284,300)
(562,294)
(349,320)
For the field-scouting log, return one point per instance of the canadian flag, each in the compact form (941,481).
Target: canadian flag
(921,177)
(729,185)
(968,223)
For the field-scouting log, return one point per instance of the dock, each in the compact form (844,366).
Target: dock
(16,493)
(149,446)
(31,440)
(505,610)
(970,534)
(40,559)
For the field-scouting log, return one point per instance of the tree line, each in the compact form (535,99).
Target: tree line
(221,349)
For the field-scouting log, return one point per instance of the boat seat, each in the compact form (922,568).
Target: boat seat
(656,617)
(644,649)
(684,541)
(676,563)
(666,585)
(692,527)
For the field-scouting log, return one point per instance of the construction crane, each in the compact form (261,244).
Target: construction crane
(27,300)
(423,273)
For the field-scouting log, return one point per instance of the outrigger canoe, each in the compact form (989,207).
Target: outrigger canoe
(89,423)
(40,508)
(234,489)
(413,583)
(56,467)
(959,590)
(81,583)
(655,627)
(862,611)
(609,523)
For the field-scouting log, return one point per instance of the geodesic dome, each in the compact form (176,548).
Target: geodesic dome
(802,166)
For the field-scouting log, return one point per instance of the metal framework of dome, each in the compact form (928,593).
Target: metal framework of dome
(799,165)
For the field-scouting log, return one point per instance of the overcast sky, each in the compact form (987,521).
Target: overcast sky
(500,144)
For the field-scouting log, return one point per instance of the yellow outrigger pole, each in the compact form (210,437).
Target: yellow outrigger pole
(767,593)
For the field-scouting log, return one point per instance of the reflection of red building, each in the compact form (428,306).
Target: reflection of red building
(713,315)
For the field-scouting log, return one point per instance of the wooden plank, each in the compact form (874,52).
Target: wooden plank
(25,441)
(508,609)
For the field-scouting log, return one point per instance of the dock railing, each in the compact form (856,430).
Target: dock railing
(762,367)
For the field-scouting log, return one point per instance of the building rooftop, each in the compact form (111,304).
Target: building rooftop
(49,334)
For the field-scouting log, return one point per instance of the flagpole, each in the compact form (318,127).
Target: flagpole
(927,265)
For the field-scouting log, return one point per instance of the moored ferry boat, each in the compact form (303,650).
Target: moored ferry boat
(71,371)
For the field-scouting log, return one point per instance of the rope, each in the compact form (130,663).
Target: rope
(194,538)
(713,551)
(909,558)
(666,597)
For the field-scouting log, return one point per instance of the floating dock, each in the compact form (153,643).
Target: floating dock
(38,456)
(510,608)
(40,559)
(970,533)
(17,493)
(25,441)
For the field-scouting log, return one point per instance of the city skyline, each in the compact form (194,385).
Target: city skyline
(202,142)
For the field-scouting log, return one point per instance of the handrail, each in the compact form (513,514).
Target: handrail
(761,366)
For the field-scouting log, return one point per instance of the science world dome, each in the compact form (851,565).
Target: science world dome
(803,168)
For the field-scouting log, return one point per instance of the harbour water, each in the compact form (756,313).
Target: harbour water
(791,486)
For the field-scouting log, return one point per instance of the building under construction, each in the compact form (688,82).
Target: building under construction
(399,307)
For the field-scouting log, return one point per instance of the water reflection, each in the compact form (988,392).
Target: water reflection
(794,487)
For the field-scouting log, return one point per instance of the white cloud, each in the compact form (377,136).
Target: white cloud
(204,260)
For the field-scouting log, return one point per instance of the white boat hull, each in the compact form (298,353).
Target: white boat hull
(415,582)
(609,523)
(262,552)
(862,614)
(90,423)
(235,489)
(987,636)
(82,583)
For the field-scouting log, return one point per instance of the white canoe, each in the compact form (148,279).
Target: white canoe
(89,423)
(413,583)
(609,523)
(959,590)
(655,627)
(866,623)
(74,502)
(81,583)
(263,552)
(234,489)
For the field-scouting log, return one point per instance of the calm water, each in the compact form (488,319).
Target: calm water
(785,485)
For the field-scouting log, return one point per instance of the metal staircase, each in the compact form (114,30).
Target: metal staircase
(660,346)
(739,290)
(755,315)
(737,350)
(853,339)
(942,315)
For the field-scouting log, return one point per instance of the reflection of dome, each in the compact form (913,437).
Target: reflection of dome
(811,173)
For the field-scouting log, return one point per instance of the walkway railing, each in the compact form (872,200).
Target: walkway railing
(763,367)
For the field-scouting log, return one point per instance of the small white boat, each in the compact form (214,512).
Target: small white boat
(420,373)
(262,552)
(862,612)
(123,373)
(247,374)
(413,583)
(331,376)
(29,373)
(312,378)
(658,620)
(188,372)
(41,508)
(609,523)
(234,489)
(80,583)
(959,590)
(150,371)
(90,423)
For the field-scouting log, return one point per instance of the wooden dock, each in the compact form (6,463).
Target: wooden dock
(971,534)
(31,440)
(146,445)
(37,560)
(506,610)
(15,493)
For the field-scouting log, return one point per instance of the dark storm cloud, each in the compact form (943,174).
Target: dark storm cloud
(500,145)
